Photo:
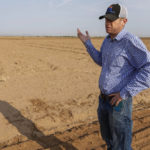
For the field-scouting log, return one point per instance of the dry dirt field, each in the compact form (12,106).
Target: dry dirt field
(49,96)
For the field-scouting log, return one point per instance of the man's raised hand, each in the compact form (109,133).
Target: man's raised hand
(83,37)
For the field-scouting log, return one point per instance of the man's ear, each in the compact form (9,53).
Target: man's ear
(123,21)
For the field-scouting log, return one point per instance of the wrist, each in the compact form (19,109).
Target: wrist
(124,94)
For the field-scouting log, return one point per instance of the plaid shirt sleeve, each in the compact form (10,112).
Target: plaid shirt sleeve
(139,58)
(95,54)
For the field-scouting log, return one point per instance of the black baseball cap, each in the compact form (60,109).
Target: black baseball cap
(114,12)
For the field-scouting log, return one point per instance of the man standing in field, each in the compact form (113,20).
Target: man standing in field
(125,72)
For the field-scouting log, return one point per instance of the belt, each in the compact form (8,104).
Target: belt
(106,97)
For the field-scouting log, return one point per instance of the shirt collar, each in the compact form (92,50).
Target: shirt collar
(119,36)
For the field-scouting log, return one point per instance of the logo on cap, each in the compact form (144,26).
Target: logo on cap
(109,10)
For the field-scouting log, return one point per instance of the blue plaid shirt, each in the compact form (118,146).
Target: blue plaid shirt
(125,64)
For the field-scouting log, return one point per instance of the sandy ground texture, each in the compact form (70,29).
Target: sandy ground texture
(49,96)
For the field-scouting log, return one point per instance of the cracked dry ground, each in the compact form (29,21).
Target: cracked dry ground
(87,137)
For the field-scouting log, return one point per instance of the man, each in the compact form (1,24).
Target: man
(125,72)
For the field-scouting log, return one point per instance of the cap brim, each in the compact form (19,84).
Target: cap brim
(110,17)
(101,17)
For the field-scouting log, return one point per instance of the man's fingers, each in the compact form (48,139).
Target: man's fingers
(82,36)
(116,99)
(117,103)
(113,94)
(78,31)
(113,101)
(87,33)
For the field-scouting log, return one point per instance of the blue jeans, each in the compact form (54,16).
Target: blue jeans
(116,124)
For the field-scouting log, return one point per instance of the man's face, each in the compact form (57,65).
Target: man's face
(114,27)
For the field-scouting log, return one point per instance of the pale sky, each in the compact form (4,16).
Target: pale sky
(63,17)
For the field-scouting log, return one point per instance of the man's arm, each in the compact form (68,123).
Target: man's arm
(139,57)
(95,54)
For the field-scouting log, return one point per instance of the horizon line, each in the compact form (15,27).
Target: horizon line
(73,36)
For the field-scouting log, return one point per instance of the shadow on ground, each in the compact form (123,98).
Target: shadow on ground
(27,128)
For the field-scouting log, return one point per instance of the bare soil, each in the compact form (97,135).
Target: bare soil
(49,96)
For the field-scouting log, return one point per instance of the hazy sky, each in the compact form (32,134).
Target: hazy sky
(62,17)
